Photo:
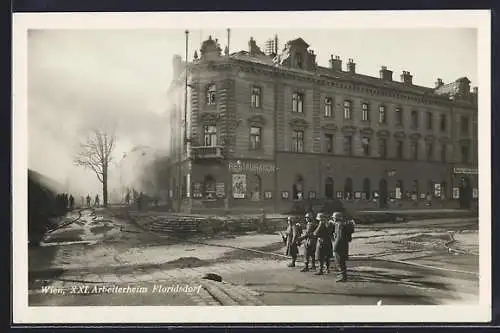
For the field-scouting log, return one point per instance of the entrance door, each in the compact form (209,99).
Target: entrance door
(384,193)
(329,188)
(465,190)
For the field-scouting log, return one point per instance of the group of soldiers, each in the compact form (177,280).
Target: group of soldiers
(89,201)
(322,240)
(65,202)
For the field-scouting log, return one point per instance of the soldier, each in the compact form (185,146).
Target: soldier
(291,239)
(71,202)
(88,200)
(310,243)
(96,202)
(342,237)
(324,252)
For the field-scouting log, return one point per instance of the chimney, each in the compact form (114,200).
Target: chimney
(351,66)
(385,74)
(335,63)
(439,83)
(406,77)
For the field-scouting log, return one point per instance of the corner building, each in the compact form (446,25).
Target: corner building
(267,130)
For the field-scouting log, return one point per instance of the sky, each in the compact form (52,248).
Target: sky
(79,78)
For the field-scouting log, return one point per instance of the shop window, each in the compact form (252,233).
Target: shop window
(209,187)
(415,188)
(348,189)
(400,189)
(298,188)
(366,188)
(329,189)
(255,185)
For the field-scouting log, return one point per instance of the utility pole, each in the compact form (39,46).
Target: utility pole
(187,139)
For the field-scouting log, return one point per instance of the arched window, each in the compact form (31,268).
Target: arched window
(255,186)
(329,189)
(348,195)
(366,188)
(209,187)
(298,188)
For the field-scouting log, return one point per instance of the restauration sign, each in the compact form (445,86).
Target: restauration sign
(256,167)
(467,171)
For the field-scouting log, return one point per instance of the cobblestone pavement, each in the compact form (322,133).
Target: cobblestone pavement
(125,256)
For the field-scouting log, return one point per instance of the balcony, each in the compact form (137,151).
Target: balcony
(207,153)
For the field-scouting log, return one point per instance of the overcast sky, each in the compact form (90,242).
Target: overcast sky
(77,77)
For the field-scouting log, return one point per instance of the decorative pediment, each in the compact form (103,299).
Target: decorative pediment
(400,135)
(256,120)
(415,136)
(430,138)
(330,127)
(209,117)
(349,129)
(383,134)
(298,123)
(367,131)
(444,139)
(464,141)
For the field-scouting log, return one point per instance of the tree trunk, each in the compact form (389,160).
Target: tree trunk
(105,189)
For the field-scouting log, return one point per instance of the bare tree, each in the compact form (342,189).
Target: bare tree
(95,153)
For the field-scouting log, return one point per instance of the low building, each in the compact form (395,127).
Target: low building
(266,131)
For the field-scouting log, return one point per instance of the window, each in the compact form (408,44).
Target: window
(298,141)
(414,120)
(464,125)
(211,91)
(347,110)
(430,151)
(443,122)
(429,120)
(210,136)
(256,97)
(298,60)
(382,115)
(298,188)
(329,143)
(298,102)
(366,189)
(443,152)
(398,114)
(365,142)
(414,150)
(365,114)
(255,138)
(383,148)
(399,150)
(465,153)
(328,107)
(348,145)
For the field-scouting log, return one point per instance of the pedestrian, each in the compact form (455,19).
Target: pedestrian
(96,201)
(342,237)
(310,243)
(324,252)
(127,198)
(88,200)
(71,202)
(291,239)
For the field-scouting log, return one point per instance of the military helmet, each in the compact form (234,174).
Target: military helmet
(320,216)
(308,215)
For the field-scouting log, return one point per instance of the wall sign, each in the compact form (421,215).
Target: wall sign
(284,194)
(456,193)
(312,195)
(437,190)
(255,167)
(268,195)
(357,195)
(239,186)
(340,195)
(465,171)
(398,193)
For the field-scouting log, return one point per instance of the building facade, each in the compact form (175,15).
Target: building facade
(264,130)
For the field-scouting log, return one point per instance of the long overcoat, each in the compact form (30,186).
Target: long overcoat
(310,239)
(342,237)
(324,233)
(292,240)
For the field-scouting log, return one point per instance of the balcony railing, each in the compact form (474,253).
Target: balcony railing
(207,152)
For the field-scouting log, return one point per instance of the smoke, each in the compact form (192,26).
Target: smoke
(78,80)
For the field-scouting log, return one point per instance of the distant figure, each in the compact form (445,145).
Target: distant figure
(96,201)
(292,240)
(127,198)
(88,200)
(139,201)
(71,202)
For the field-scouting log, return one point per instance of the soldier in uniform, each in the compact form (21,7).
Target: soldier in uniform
(342,236)
(310,243)
(291,239)
(324,252)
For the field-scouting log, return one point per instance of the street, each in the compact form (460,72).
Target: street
(98,260)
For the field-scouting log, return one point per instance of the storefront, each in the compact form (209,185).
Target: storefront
(465,186)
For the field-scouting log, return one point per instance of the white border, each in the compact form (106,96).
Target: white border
(275,314)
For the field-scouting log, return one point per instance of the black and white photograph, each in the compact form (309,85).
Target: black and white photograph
(252,166)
